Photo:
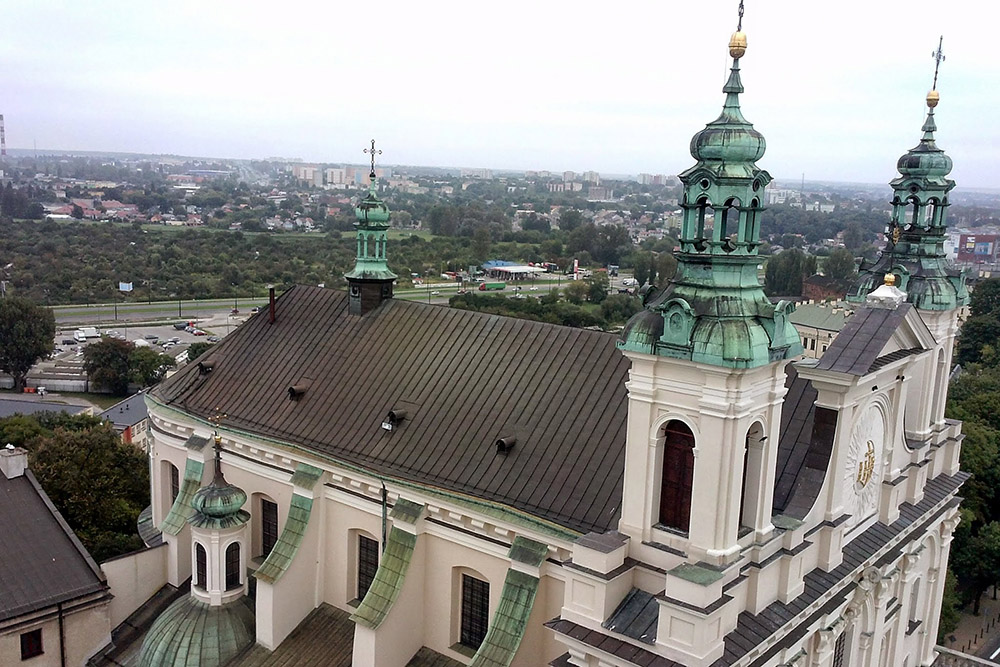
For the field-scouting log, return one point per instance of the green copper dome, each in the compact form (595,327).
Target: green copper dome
(926,160)
(729,140)
(191,632)
(372,211)
(218,505)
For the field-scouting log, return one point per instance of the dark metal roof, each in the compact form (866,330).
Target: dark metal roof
(804,448)
(128,412)
(464,379)
(43,561)
(13,406)
(324,638)
(861,341)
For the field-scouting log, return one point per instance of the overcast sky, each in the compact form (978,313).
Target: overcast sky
(837,88)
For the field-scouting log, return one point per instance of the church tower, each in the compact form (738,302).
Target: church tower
(708,356)
(370,281)
(914,254)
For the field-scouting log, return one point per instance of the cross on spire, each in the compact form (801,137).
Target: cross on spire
(373,153)
(739,24)
(938,57)
(217,419)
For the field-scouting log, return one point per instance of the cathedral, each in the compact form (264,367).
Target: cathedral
(350,479)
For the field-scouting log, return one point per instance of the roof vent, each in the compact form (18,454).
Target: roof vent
(205,367)
(297,391)
(504,445)
(393,419)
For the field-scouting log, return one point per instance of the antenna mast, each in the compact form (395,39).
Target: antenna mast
(3,139)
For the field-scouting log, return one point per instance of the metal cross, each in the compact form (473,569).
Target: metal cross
(739,24)
(373,154)
(938,57)
(217,419)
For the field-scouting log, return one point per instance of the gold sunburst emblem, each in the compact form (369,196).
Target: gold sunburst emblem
(866,466)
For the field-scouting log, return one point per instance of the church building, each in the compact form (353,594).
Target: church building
(351,479)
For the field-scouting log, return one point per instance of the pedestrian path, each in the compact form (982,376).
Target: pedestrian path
(975,632)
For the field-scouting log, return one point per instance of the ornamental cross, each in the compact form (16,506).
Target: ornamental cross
(217,419)
(373,153)
(938,57)
(739,24)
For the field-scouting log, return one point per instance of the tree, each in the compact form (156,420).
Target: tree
(978,331)
(597,287)
(147,366)
(77,212)
(840,265)
(576,291)
(27,334)
(570,219)
(98,483)
(985,299)
(107,364)
(784,273)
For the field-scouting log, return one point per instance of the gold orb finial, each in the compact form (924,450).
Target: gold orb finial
(890,279)
(933,97)
(738,44)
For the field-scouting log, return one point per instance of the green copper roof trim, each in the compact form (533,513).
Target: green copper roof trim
(406,511)
(489,508)
(528,551)
(196,443)
(199,520)
(696,574)
(306,476)
(182,509)
(191,633)
(389,578)
(281,556)
(509,621)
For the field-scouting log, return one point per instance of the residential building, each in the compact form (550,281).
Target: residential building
(129,418)
(54,599)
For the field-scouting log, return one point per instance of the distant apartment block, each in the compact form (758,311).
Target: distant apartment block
(591,177)
(600,193)
(482,174)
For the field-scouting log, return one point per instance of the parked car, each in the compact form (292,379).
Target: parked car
(213,339)
(180,326)
(199,332)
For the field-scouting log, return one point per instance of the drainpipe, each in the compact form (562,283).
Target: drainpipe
(62,636)
(385,499)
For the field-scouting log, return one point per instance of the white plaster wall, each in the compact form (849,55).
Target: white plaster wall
(86,632)
(133,579)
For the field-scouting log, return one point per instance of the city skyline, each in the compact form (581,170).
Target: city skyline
(838,95)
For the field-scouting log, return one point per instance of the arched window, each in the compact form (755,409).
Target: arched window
(201,567)
(175,482)
(233,566)
(677,476)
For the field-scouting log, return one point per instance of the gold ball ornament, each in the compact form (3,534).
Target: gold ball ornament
(933,98)
(738,44)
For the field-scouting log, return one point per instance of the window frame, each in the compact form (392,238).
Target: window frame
(200,566)
(266,522)
(474,611)
(234,578)
(366,547)
(175,482)
(676,490)
(31,644)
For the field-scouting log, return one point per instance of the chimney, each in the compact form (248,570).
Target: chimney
(13,461)
(270,298)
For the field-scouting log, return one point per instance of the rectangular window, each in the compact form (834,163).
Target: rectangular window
(475,611)
(175,483)
(268,526)
(838,651)
(367,564)
(31,644)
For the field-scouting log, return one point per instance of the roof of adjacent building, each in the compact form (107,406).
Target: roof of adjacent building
(828,317)
(127,413)
(13,406)
(44,563)
(465,379)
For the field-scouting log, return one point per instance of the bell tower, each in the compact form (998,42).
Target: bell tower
(708,356)
(914,254)
(370,281)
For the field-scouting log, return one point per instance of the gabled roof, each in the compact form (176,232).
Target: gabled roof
(43,562)
(861,344)
(465,379)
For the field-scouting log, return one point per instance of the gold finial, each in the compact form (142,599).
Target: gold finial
(217,419)
(738,42)
(890,279)
(933,97)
